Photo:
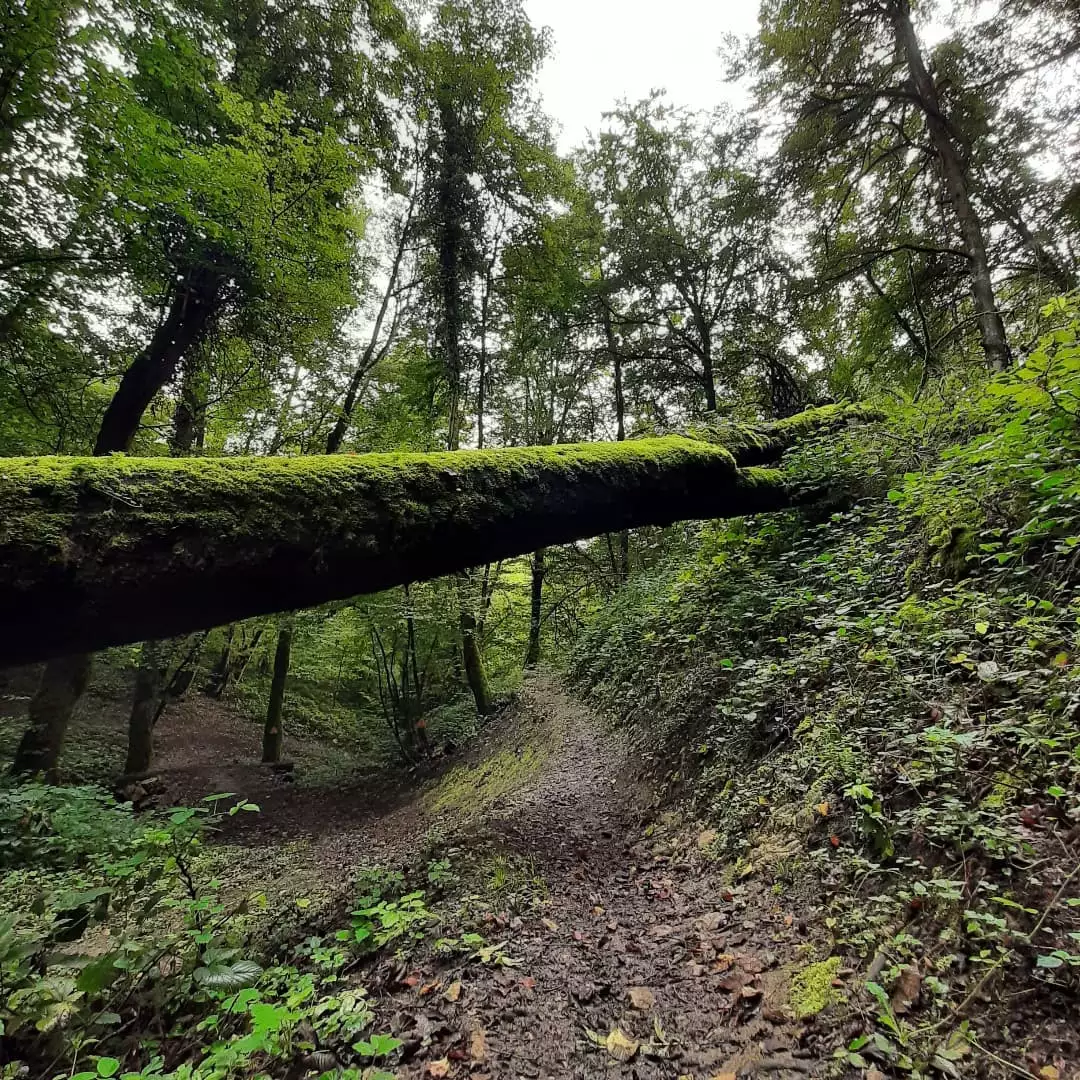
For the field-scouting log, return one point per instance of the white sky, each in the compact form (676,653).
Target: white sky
(605,50)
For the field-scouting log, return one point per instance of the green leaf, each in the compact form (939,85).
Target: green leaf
(107,1066)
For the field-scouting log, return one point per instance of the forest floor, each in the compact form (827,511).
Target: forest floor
(611,944)
(624,951)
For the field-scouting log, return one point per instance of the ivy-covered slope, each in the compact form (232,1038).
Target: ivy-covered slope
(880,710)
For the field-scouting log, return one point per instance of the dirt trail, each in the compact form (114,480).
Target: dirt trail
(636,936)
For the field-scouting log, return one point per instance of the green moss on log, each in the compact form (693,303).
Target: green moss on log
(102,551)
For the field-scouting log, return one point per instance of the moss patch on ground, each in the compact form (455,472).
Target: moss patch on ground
(471,788)
(812,988)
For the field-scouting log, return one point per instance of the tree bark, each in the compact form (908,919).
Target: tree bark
(623,569)
(272,732)
(532,653)
(193,305)
(991,327)
(211,540)
(473,659)
(149,685)
(62,684)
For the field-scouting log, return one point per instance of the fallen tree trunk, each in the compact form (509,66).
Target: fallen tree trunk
(104,551)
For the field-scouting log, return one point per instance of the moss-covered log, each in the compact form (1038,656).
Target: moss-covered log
(103,551)
(765,444)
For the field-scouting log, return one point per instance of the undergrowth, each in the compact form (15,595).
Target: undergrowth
(886,689)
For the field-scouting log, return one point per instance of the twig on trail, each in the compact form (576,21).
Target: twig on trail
(1019,1070)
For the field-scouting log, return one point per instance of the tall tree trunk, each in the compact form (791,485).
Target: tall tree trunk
(623,567)
(272,734)
(149,685)
(708,375)
(532,653)
(62,684)
(193,304)
(991,327)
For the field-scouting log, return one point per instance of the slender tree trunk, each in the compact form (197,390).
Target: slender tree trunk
(373,352)
(189,420)
(473,659)
(218,678)
(532,654)
(64,679)
(622,570)
(991,327)
(62,684)
(149,685)
(272,734)
(708,375)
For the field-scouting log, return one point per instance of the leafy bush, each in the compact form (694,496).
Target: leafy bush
(62,827)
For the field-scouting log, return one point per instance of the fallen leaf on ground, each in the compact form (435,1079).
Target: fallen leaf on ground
(1049,1072)
(427,988)
(453,991)
(641,998)
(620,1046)
(724,1076)
(439,1068)
(551,924)
(874,1074)
(823,809)
(907,990)
(528,983)
(478,1046)
(706,839)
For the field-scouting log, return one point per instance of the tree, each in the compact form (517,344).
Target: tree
(272,729)
(691,229)
(483,154)
(911,164)
(221,203)
(204,537)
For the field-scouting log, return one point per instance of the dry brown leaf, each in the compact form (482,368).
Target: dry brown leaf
(724,1076)
(823,809)
(427,988)
(706,839)
(620,1046)
(1049,1072)
(478,1046)
(641,998)
(874,1074)
(439,1068)
(551,924)
(453,991)
(907,990)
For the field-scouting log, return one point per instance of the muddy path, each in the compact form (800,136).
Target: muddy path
(621,949)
